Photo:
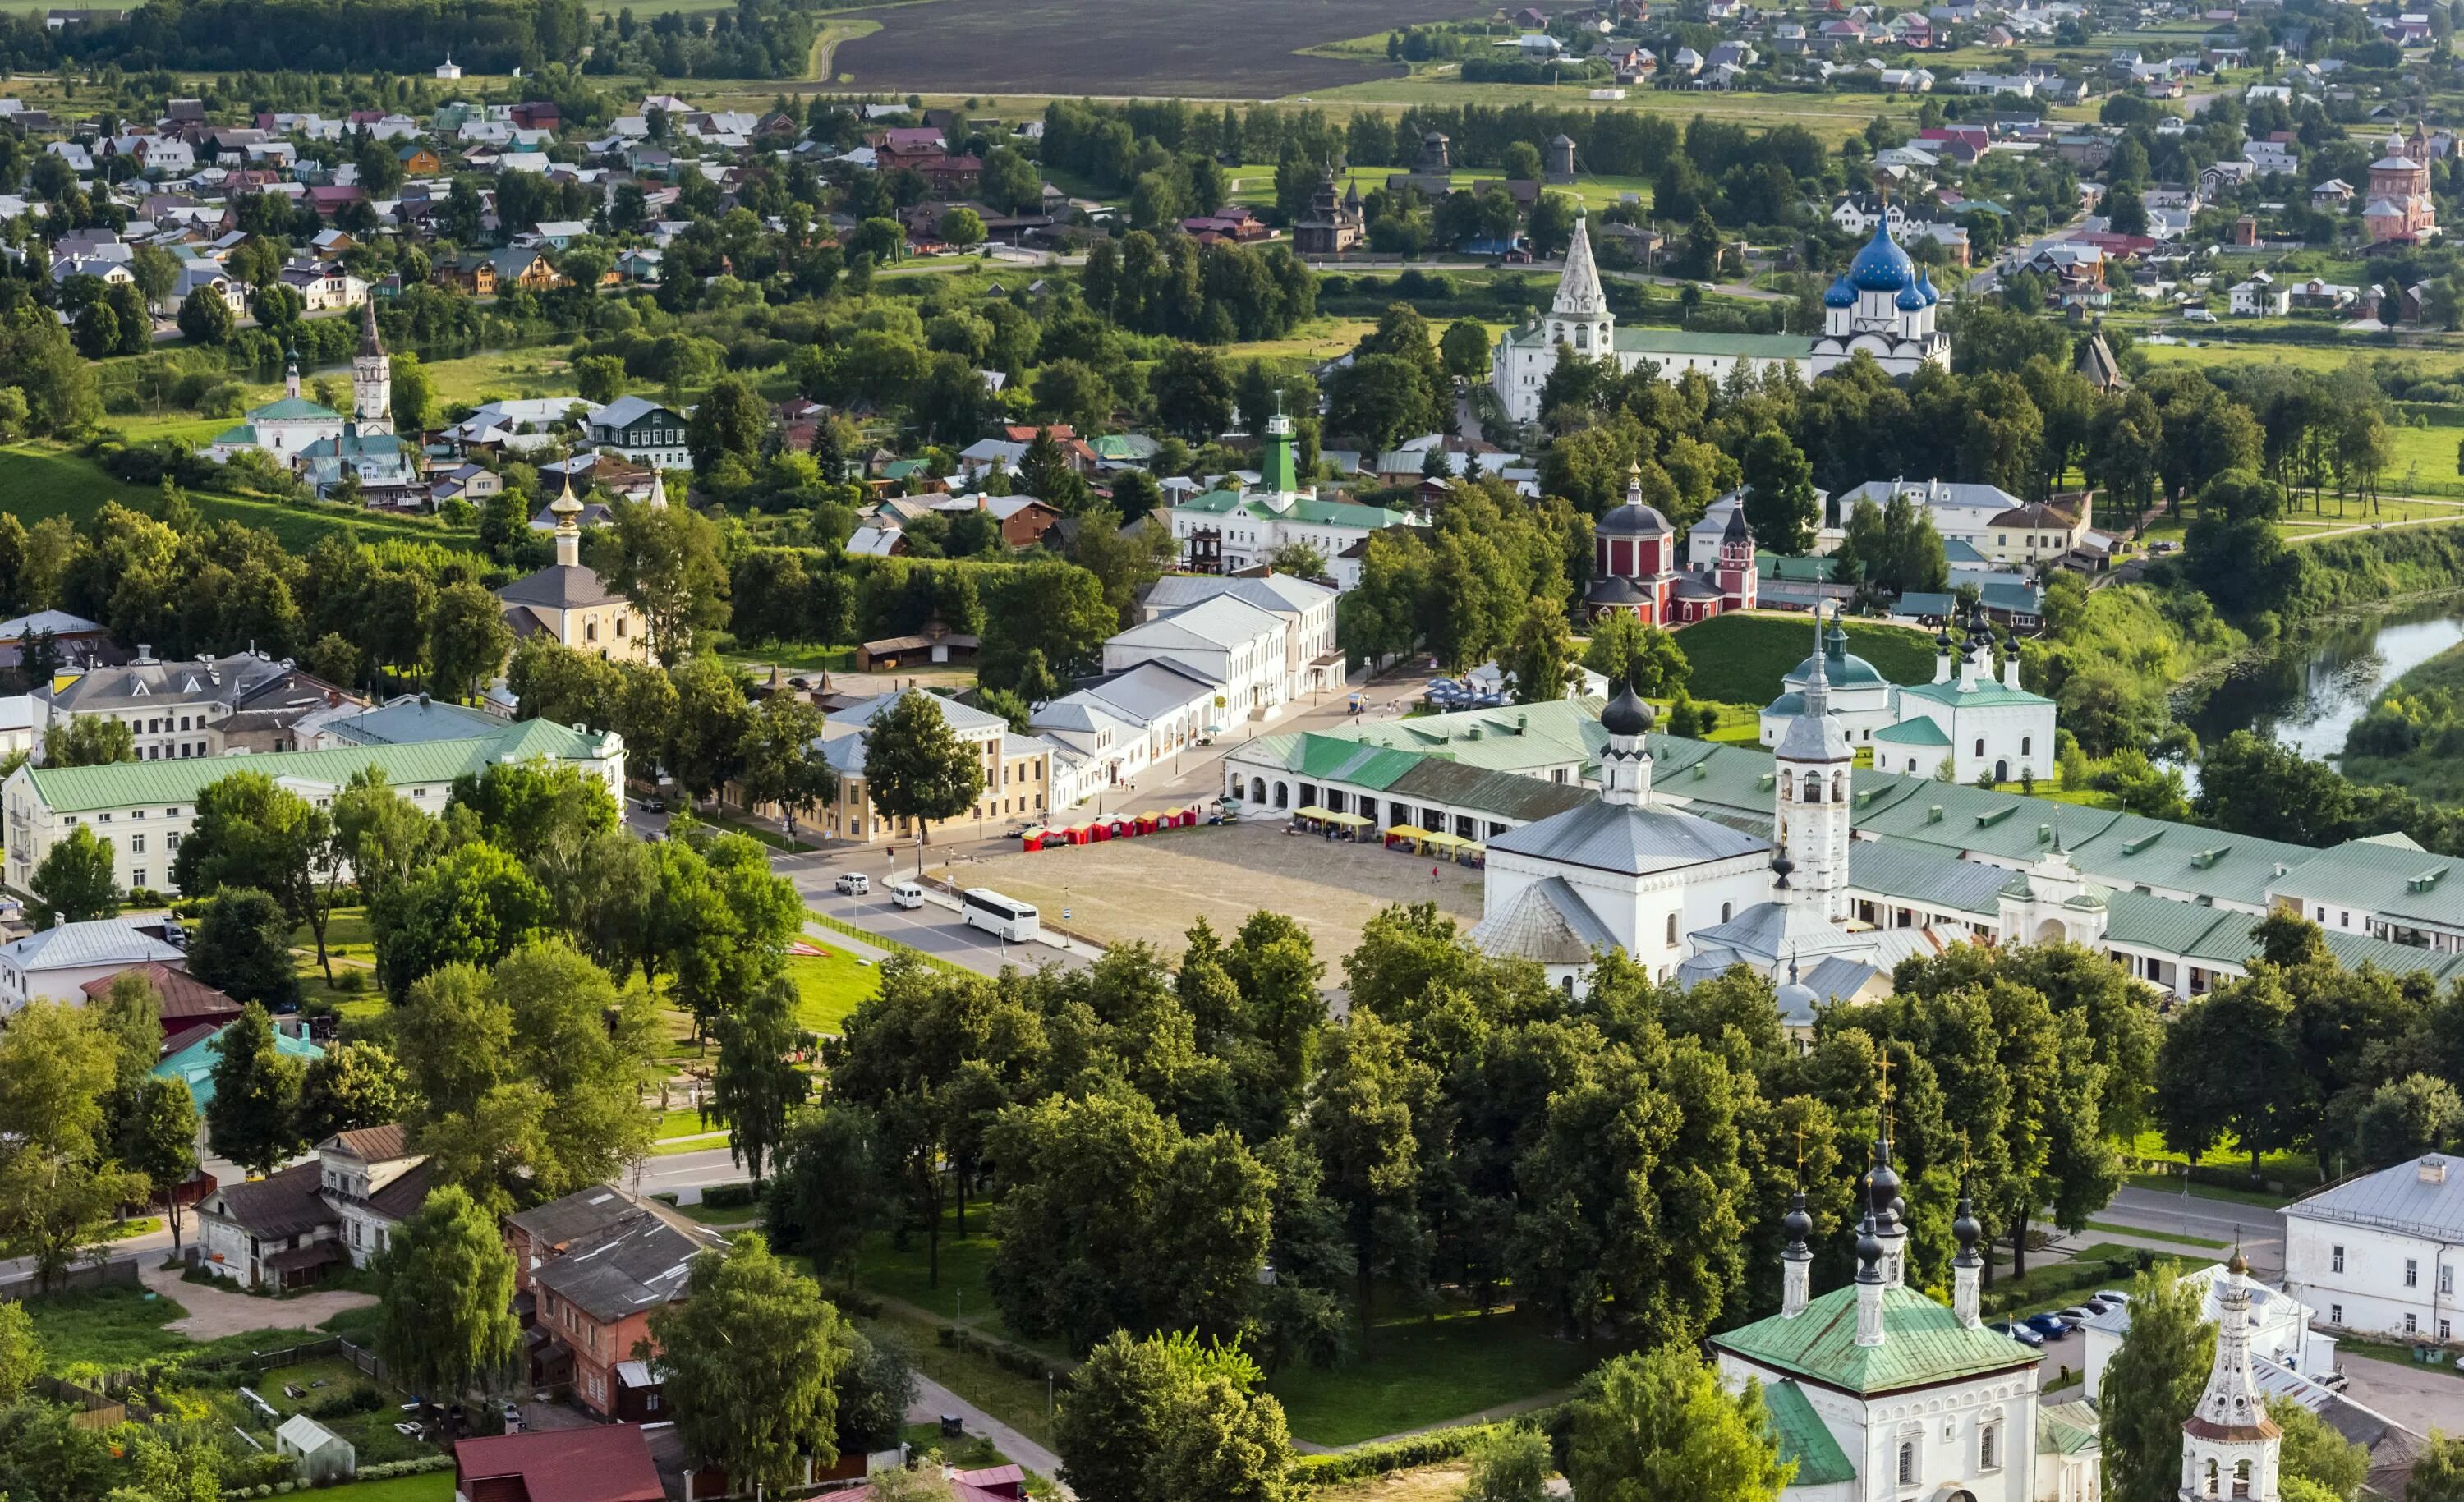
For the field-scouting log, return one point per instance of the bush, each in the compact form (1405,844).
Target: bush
(1363,1460)
(729,1196)
(147,897)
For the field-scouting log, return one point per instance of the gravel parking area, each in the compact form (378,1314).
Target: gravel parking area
(219,1312)
(1154,888)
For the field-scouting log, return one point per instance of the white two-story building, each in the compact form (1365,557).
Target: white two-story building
(2378,1255)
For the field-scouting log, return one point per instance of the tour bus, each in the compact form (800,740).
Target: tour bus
(1005,916)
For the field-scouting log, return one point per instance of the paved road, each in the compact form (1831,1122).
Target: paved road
(934,1402)
(2258,1229)
(2420,1398)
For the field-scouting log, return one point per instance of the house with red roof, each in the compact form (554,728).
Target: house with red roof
(603,1462)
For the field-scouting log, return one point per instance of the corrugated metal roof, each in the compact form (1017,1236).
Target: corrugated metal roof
(2148,922)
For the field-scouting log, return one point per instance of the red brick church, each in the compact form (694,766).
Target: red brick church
(1635,567)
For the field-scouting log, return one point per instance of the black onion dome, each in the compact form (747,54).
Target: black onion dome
(1796,1222)
(1963,1227)
(1626,714)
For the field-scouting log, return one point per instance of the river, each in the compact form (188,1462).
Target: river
(2309,692)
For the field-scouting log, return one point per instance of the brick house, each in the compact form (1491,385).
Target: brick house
(588,1271)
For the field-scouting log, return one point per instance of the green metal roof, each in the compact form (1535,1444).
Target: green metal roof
(1350,761)
(71,790)
(293,407)
(1988,693)
(2386,878)
(2160,923)
(1502,794)
(1923,1343)
(1918,731)
(1305,509)
(1914,874)
(1796,571)
(2067,1429)
(1804,1439)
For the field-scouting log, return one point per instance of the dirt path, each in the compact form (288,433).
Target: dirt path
(219,1312)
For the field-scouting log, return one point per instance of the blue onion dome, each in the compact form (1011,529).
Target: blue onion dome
(1840,295)
(1911,299)
(1925,285)
(1881,266)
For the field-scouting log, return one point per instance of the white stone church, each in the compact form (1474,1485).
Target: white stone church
(1980,724)
(1883,305)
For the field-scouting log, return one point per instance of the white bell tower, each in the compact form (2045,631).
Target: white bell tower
(2229,1444)
(1812,800)
(371,377)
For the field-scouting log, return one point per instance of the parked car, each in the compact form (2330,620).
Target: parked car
(2109,1296)
(2049,1326)
(854,884)
(2019,1332)
(2095,1306)
(2077,1316)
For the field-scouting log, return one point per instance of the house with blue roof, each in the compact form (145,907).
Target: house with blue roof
(190,1057)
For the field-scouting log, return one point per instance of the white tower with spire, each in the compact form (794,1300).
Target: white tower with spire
(1811,765)
(2229,1444)
(371,377)
(1580,319)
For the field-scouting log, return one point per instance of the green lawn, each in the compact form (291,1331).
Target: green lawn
(904,1274)
(833,984)
(44,481)
(2228,1155)
(1740,660)
(791,656)
(112,1329)
(1422,1372)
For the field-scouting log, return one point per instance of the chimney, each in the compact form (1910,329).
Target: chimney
(144,654)
(2432,1169)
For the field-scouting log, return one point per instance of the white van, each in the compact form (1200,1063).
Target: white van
(906,894)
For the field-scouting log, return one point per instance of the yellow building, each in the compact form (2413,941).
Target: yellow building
(572,605)
(1017,775)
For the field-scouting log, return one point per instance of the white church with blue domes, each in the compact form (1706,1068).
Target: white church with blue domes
(1882,306)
